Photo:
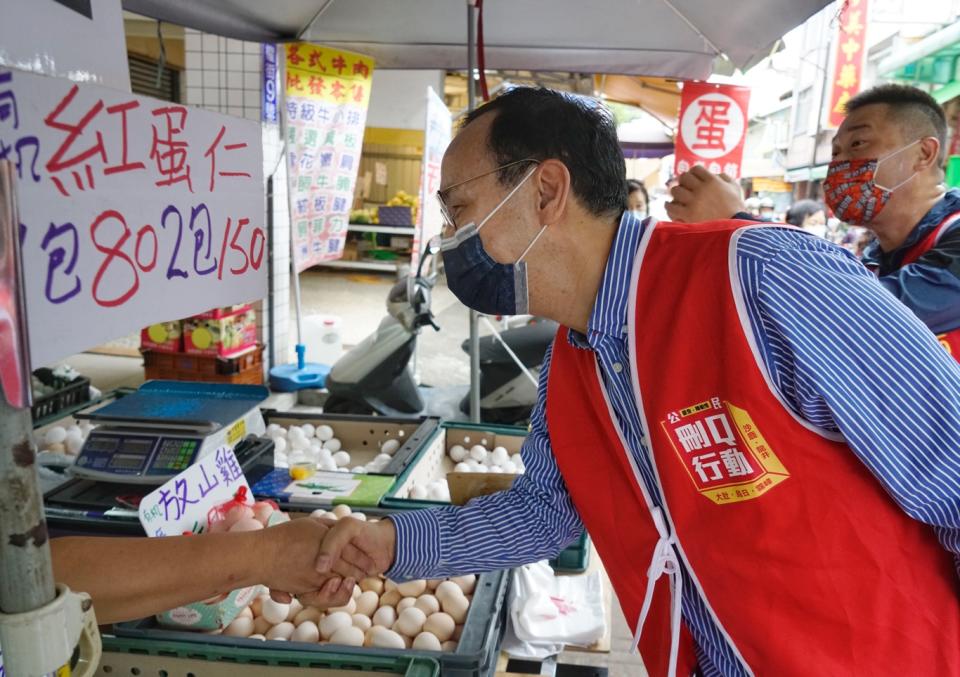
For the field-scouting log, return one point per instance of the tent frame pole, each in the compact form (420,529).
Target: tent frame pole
(474,315)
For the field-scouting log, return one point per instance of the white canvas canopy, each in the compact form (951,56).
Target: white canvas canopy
(674,38)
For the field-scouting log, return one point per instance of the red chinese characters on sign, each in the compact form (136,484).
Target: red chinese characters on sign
(848,58)
(712,127)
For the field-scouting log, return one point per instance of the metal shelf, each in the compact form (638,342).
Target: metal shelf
(390,230)
(387,266)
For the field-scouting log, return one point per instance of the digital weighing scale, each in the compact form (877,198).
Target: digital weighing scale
(155,433)
(160,429)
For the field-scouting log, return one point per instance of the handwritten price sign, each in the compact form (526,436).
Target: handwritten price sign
(133,210)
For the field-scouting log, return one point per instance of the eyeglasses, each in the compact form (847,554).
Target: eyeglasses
(448,223)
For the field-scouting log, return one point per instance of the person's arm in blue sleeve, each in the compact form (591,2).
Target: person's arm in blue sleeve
(930,287)
(865,365)
(533,520)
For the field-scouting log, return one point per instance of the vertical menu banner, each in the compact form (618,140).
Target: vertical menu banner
(327,94)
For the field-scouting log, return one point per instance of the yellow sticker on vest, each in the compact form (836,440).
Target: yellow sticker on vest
(723,451)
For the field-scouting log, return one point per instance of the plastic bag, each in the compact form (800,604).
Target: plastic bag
(548,610)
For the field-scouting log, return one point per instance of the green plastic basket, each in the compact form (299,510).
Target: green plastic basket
(574,559)
(123,656)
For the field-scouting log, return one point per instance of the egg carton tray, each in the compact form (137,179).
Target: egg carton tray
(476,654)
(433,463)
(361,435)
(126,656)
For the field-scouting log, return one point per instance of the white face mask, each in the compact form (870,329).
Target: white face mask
(640,214)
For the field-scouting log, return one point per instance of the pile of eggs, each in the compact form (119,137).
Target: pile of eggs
(426,614)
(64,439)
(319,446)
(243,517)
(478,458)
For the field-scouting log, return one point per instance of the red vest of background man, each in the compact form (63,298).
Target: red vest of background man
(806,564)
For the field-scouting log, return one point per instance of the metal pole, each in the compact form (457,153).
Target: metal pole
(825,59)
(26,572)
(474,316)
(271,304)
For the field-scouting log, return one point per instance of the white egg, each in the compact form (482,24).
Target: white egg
(390,447)
(324,433)
(295,608)
(500,455)
(495,469)
(362,622)
(385,616)
(428,604)
(279,445)
(457,453)
(448,589)
(295,432)
(387,639)
(465,583)
(342,510)
(374,584)
(74,445)
(299,443)
(309,614)
(281,631)
(360,516)
(242,626)
(426,641)
(418,492)
(475,466)
(411,620)
(261,625)
(509,467)
(466,440)
(438,493)
(382,458)
(341,458)
(306,632)
(440,625)
(315,444)
(332,622)
(273,428)
(457,606)
(449,646)
(328,464)
(367,603)
(412,588)
(516,459)
(262,638)
(462,467)
(332,444)
(274,612)
(348,636)
(55,435)
(74,430)
(478,453)
(358,470)
(308,429)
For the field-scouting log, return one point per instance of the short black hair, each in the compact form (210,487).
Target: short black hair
(633,186)
(543,124)
(916,111)
(801,209)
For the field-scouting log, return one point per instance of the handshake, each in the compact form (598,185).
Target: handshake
(319,560)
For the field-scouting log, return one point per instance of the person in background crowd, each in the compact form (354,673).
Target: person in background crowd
(638,200)
(766,210)
(887,176)
(808,215)
(751,206)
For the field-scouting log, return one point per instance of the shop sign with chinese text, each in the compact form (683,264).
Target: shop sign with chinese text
(712,128)
(132,210)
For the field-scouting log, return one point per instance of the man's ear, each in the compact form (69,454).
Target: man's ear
(553,185)
(929,154)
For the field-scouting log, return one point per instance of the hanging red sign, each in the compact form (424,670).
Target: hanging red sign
(712,127)
(847,59)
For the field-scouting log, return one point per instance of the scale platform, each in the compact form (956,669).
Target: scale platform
(155,433)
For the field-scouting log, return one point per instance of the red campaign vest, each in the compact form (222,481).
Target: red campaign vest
(807,565)
(949,340)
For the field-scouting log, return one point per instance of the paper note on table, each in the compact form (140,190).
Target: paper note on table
(181,505)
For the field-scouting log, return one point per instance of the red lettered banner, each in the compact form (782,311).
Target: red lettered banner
(848,59)
(132,210)
(712,127)
(327,92)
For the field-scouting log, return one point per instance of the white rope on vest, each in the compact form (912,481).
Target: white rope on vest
(664,561)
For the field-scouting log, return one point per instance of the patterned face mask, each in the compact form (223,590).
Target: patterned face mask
(852,192)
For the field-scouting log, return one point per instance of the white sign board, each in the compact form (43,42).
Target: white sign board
(437,133)
(133,211)
(181,504)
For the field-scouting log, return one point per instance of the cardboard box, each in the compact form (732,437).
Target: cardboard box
(165,337)
(224,336)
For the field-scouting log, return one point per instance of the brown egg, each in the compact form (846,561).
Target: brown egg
(441,625)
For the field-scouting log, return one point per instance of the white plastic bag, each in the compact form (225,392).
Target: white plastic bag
(548,610)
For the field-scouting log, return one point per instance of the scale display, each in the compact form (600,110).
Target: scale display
(126,454)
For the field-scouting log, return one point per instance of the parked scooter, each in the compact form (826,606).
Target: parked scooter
(376,375)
